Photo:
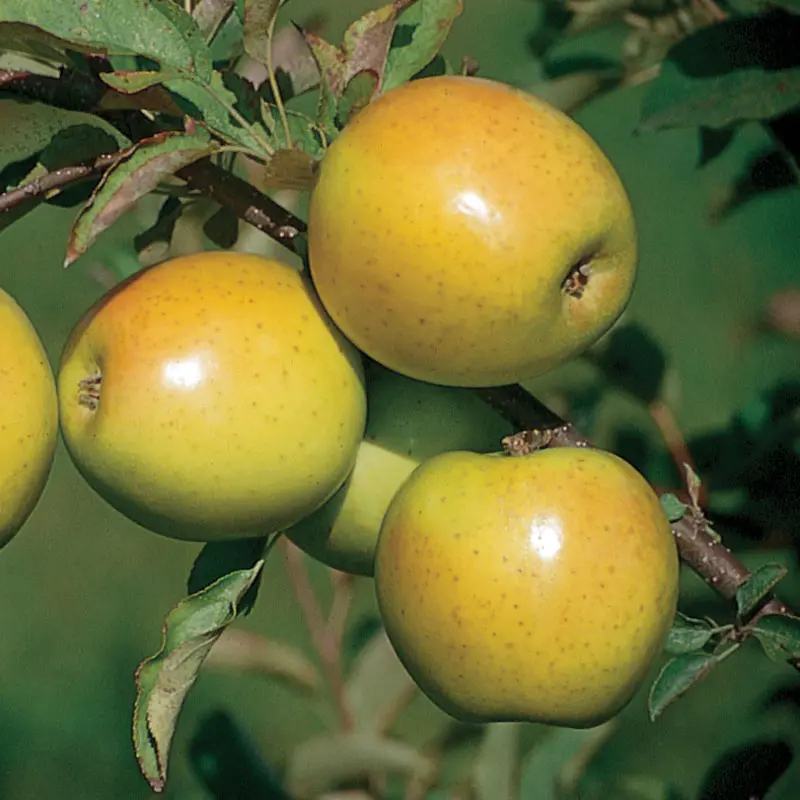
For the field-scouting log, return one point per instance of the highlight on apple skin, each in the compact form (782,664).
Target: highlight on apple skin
(210,397)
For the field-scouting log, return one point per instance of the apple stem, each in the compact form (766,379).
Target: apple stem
(578,278)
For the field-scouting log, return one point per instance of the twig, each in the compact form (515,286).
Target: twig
(326,646)
(697,547)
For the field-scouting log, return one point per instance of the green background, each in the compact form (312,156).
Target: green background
(83,592)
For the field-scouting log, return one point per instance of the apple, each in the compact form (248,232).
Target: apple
(210,397)
(408,422)
(533,588)
(466,233)
(28,418)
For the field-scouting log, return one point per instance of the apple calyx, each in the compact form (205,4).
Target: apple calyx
(577,278)
(89,395)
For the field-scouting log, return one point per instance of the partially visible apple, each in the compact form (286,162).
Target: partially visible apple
(537,588)
(466,233)
(408,421)
(28,418)
(210,397)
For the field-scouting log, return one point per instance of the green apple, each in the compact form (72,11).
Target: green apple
(210,397)
(28,418)
(408,421)
(466,233)
(532,588)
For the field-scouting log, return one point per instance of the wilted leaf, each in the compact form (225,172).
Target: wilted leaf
(138,173)
(741,69)
(677,676)
(259,17)
(378,685)
(673,508)
(757,587)
(779,635)
(159,29)
(211,14)
(163,680)
(495,770)
(688,634)
(245,651)
(559,759)
(289,169)
(420,33)
(229,764)
(325,762)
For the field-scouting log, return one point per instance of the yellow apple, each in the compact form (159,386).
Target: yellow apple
(466,233)
(28,418)
(210,397)
(408,422)
(537,588)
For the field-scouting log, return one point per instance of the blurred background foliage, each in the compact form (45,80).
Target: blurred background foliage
(83,592)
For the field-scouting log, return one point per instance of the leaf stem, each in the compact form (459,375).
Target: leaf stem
(273,83)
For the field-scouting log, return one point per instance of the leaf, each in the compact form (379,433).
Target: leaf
(304,133)
(146,164)
(210,15)
(245,651)
(741,69)
(228,762)
(29,127)
(688,634)
(757,587)
(259,17)
(359,91)
(324,762)
(495,768)
(747,772)
(158,29)
(131,81)
(420,33)
(378,685)
(673,508)
(714,142)
(218,559)
(289,169)
(779,635)
(163,680)
(677,676)
(559,759)
(76,144)
(162,228)
(222,227)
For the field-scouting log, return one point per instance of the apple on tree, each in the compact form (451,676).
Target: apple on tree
(538,587)
(28,418)
(210,397)
(466,233)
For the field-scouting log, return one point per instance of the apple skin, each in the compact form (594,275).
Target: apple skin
(535,588)
(408,422)
(445,220)
(28,418)
(229,406)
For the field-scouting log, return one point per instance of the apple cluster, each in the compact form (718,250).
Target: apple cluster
(461,234)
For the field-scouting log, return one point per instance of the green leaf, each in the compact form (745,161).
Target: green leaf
(304,133)
(158,29)
(673,508)
(494,771)
(677,676)
(139,172)
(78,143)
(218,559)
(557,761)
(259,17)
(163,680)
(757,587)
(420,33)
(688,634)
(131,81)
(212,103)
(323,763)
(29,127)
(779,635)
(741,69)
(360,90)
(222,227)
